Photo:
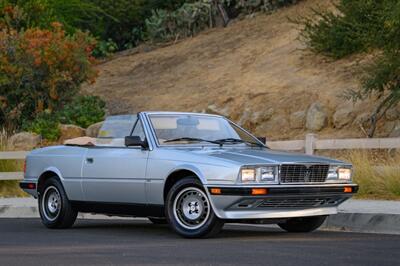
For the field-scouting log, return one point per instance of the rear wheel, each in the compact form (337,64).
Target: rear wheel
(189,212)
(303,224)
(54,207)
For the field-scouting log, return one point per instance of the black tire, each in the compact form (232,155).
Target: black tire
(55,209)
(303,224)
(207,224)
(158,220)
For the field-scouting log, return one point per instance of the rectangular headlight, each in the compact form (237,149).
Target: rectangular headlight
(333,173)
(267,173)
(344,174)
(261,174)
(248,175)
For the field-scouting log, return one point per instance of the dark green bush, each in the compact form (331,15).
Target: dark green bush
(355,26)
(83,111)
(332,36)
(45,124)
(73,14)
(124,19)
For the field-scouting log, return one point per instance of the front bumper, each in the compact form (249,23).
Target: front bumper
(280,201)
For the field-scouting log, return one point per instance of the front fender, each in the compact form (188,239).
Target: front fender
(189,167)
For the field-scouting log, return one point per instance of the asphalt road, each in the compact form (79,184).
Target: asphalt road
(111,242)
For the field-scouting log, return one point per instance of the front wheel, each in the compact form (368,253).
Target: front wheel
(54,207)
(189,212)
(303,224)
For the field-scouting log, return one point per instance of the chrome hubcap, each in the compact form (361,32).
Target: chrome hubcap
(191,208)
(51,203)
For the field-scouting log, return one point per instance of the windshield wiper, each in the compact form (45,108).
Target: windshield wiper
(233,140)
(191,139)
(220,142)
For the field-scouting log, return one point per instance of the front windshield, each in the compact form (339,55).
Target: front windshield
(178,129)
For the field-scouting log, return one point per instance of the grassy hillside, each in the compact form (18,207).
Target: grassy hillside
(242,71)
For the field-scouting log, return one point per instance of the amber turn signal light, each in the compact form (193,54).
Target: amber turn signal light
(348,190)
(215,191)
(259,191)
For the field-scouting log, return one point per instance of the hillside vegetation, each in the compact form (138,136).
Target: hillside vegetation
(256,71)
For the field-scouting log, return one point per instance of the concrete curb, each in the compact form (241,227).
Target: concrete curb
(18,212)
(364,223)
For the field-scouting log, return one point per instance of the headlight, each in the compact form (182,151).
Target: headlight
(262,174)
(344,174)
(267,173)
(248,175)
(339,173)
(332,173)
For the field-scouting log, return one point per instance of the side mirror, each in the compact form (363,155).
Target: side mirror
(262,139)
(135,141)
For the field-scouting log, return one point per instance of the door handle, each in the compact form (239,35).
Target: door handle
(89,160)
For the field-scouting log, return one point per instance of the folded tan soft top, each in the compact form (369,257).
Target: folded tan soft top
(81,141)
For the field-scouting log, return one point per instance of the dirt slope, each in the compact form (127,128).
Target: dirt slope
(243,71)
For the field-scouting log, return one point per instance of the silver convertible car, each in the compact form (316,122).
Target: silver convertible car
(192,171)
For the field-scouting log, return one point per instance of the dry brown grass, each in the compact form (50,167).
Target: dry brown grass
(377,172)
(9,188)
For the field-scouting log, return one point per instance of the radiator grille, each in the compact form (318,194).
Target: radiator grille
(300,202)
(297,173)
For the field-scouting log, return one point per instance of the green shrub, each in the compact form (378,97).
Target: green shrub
(123,21)
(189,19)
(73,14)
(104,48)
(355,26)
(157,26)
(83,111)
(45,124)
(332,36)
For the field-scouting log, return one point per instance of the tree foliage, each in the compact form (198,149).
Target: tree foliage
(83,111)
(358,26)
(73,14)
(41,70)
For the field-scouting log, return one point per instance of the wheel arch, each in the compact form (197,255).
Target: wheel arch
(178,174)
(48,173)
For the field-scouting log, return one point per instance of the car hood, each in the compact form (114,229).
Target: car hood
(264,156)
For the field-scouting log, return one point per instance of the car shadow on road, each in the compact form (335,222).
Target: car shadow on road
(143,227)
